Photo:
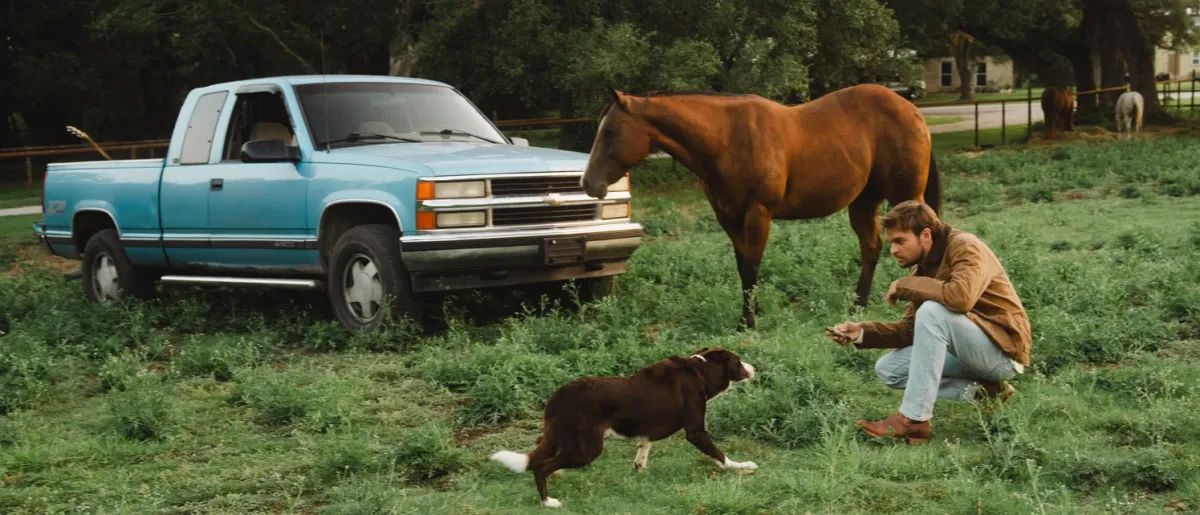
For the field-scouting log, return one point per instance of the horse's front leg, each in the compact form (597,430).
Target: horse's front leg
(866,226)
(756,225)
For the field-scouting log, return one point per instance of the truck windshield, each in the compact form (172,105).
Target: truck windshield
(420,112)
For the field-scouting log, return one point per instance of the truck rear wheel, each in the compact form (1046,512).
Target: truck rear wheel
(107,272)
(365,274)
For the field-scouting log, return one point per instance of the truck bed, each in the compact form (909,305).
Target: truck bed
(127,190)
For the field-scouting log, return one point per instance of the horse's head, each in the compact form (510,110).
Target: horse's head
(622,142)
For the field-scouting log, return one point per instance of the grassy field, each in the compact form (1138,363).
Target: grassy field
(940,120)
(17,194)
(254,402)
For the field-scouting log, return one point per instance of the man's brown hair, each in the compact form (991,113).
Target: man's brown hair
(911,215)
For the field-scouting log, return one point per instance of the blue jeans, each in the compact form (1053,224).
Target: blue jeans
(949,355)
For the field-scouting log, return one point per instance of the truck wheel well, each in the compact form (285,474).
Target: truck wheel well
(88,223)
(338,219)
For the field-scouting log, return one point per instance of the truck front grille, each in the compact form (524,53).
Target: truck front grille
(535,186)
(543,215)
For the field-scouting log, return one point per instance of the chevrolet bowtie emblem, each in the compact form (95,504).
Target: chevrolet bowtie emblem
(553,199)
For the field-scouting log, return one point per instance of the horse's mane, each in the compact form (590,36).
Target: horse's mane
(674,93)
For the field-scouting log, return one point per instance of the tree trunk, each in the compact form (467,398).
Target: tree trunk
(574,136)
(1085,80)
(1140,52)
(1112,64)
(962,61)
(403,57)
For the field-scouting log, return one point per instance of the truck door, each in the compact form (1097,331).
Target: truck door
(257,211)
(183,209)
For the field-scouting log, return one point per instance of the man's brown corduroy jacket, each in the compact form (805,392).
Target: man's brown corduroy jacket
(961,273)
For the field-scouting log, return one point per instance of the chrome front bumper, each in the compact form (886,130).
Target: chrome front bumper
(443,262)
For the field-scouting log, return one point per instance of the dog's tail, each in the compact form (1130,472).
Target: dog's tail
(515,461)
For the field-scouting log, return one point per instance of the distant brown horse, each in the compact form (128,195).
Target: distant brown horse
(1058,107)
(759,160)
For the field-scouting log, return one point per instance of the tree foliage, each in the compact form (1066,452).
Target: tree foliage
(120,68)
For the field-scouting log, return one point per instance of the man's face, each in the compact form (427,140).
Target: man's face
(908,247)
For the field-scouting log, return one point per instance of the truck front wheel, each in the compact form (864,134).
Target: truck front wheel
(366,274)
(107,272)
(595,288)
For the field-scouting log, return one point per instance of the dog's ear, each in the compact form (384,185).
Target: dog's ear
(687,363)
(718,353)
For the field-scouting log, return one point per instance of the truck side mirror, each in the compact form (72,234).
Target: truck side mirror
(520,142)
(269,151)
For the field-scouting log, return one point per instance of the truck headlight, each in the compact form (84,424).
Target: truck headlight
(622,184)
(614,210)
(427,220)
(429,190)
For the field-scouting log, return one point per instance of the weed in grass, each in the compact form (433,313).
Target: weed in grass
(427,452)
(140,411)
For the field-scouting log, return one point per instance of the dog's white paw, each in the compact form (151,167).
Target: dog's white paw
(639,467)
(745,465)
(741,466)
(551,502)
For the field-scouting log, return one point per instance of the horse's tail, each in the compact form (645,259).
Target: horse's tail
(1137,114)
(933,186)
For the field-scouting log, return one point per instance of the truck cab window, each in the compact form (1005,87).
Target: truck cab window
(198,140)
(257,116)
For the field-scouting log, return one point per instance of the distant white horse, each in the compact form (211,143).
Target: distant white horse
(1129,113)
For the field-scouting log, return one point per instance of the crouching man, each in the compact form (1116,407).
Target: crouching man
(964,331)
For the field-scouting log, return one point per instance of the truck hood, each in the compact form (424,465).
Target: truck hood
(464,158)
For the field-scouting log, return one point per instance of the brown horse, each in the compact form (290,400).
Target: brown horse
(1058,106)
(759,160)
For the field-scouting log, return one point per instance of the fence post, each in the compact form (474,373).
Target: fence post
(133,152)
(1029,115)
(1192,104)
(1003,123)
(1179,96)
(29,173)
(976,124)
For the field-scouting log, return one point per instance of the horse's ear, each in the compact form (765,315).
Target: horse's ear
(616,95)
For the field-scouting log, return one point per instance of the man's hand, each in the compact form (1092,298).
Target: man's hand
(844,332)
(891,296)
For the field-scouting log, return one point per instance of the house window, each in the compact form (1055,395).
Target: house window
(1196,58)
(981,74)
(947,75)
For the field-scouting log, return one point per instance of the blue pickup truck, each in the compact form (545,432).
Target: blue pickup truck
(377,190)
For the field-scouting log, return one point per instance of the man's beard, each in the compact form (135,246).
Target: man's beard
(920,259)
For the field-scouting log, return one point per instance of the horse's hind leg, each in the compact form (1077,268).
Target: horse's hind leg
(866,226)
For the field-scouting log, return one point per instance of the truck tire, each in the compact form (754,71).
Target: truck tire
(107,272)
(365,269)
(596,288)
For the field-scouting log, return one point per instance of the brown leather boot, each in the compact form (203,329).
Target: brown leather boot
(898,426)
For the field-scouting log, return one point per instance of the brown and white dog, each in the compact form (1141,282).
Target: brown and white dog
(653,403)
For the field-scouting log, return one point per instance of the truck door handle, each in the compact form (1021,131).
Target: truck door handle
(216,184)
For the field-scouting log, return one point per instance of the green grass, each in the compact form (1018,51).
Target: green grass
(254,402)
(960,140)
(15,232)
(17,194)
(940,120)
